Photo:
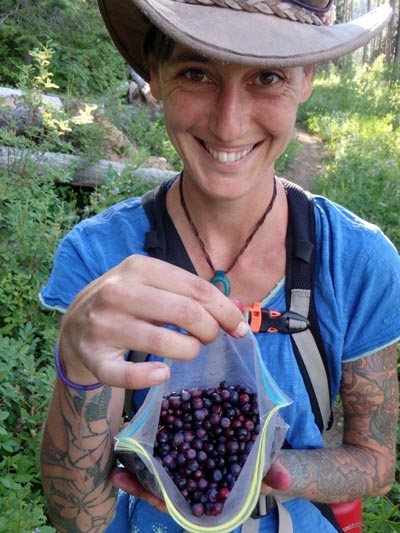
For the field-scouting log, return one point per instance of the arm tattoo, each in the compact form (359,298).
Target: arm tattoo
(370,394)
(75,474)
(364,464)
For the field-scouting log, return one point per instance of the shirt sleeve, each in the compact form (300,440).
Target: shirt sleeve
(359,283)
(91,248)
(372,311)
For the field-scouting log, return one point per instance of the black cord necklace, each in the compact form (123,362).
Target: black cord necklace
(220,279)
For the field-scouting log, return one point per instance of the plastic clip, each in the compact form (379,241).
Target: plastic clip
(254,314)
(264,507)
(268,320)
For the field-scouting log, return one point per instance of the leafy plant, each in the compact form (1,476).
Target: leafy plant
(362,139)
(85,60)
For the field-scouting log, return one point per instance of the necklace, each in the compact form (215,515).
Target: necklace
(220,279)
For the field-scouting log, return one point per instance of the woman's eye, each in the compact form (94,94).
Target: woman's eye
(268,78)
(196,75)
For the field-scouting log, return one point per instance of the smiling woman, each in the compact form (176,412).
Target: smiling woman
(219,244)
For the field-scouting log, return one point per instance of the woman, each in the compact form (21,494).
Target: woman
(230,81)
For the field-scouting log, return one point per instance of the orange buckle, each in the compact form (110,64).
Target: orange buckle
(255,316)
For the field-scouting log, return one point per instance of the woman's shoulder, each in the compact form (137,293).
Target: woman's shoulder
(357,277)
(125,210)
(339,229)
(123,222)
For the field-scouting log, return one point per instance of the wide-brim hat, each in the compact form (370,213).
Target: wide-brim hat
(270,33)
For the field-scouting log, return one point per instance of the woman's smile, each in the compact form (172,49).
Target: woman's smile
(228,156)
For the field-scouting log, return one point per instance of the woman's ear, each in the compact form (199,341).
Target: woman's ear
(155,86)
(306,83)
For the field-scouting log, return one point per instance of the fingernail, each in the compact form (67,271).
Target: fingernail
(238,303)
(159,375)
(242,329)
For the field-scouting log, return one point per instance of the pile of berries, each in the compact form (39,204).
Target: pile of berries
(203,441)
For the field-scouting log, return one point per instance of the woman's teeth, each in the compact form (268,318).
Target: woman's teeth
(228,157)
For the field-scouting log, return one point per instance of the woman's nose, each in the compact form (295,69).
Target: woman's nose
(230,114)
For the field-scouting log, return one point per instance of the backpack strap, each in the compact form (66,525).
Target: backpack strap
(300,320)
(300,277)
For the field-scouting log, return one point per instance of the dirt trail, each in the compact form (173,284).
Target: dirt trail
(308,161)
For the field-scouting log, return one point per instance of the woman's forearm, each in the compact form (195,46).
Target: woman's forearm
(336,474)
(77,455)
(364,465)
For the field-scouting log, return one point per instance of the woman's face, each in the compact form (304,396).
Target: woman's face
(229,123)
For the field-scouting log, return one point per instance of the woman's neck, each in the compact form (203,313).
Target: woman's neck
(224,227)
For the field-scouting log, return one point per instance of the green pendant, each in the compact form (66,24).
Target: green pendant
(221,282)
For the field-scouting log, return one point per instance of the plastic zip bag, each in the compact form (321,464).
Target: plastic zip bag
(235,361)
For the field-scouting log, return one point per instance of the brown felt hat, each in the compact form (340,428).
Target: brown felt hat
(268,33)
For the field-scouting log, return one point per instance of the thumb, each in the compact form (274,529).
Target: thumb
(278,478)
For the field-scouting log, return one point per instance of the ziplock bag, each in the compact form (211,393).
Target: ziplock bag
(236,361)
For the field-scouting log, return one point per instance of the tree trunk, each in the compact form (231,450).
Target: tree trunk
(397,38)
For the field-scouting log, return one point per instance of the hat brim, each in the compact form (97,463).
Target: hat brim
(251,39)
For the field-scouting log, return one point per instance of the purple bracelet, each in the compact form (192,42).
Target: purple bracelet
(64,378)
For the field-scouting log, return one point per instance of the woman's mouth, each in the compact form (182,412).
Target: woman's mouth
(228,157)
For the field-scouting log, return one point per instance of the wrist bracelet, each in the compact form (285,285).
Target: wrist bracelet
(64,378)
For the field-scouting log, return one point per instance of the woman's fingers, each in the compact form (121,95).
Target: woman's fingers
(277,478)
(128,308)
(121,479)
(129,375)
(182,299)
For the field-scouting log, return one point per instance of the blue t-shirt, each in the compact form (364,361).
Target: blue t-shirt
(357,296)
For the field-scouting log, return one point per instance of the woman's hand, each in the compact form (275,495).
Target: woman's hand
(277,478)
(125,481)
(126,308)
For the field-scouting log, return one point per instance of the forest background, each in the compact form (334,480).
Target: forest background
(61,47)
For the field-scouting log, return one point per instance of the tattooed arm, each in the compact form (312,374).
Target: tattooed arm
(76,457)
(364,464)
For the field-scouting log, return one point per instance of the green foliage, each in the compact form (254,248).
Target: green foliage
(42,125)
(286,159)
(34,215)
(380,515)
(117,186)
(86,61)
(145,128)
(24,400)
(357,114)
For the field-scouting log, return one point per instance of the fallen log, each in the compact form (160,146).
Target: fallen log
(83,174)
(54,101)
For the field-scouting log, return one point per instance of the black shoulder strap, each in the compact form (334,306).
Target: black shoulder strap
(153,203)
(300,276)
(162,240)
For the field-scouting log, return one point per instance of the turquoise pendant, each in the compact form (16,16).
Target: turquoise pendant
(221,282)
